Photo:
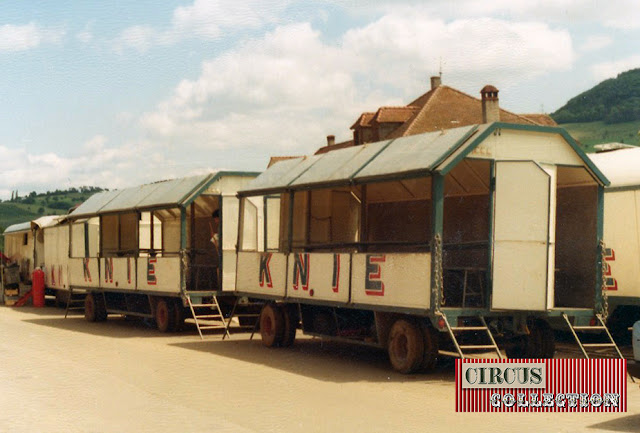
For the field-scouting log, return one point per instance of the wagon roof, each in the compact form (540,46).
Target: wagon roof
(47,221)
(620,166)
(164,194)
(16,228)
(414,155)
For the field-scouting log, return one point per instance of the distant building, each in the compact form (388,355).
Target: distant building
(442,107)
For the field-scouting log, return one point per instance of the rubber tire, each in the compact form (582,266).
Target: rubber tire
(290,317)
(271,325)
(431,339)
(540,342)
(165,315)
(90,308)
(405,346)
(101,308)
(180,315)
(620,321)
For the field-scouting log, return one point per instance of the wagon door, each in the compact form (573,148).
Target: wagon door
(520,236)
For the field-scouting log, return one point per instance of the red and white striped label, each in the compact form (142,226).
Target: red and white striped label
(570,385)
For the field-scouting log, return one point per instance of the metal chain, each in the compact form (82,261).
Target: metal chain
(603,282)
(439,286)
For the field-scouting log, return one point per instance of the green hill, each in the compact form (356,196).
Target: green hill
(592,133)
(32,206)
(615,100)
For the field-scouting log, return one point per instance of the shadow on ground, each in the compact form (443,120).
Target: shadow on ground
(625,424)
(323,360)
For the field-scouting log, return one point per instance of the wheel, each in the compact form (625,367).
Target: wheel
(165,315)
(620,321)
(290,318)
(271,325)
(431,340)
(90,308)
(180,315)
(101,308)
(62,298)
(540,343)
(406,346)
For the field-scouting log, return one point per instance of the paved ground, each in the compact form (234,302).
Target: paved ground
(67,375)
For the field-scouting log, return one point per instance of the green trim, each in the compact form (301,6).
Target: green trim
(457,146)
(598,301)
(620,301)
(437,224)
(492,199)
(530,128)
(623,188)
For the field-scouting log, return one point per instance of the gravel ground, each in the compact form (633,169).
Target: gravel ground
(68,375)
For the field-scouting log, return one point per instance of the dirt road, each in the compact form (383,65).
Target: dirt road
(67,375)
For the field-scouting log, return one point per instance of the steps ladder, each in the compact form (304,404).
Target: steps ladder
(453,330)
(74,304)
(244,306)
(203,321)
(601,327)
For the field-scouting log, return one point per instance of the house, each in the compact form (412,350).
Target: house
(442,107)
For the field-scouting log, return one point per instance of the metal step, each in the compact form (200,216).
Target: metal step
(598,345)
(469,328)
(478,346)
(588,328)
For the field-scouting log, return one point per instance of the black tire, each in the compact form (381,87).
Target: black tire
(101,308)
(180,314)
(406,346)
(431,339)
(62,298)
(290,318)
(271,325)
(165,315)
(90,308)
(620,321)
(540,342)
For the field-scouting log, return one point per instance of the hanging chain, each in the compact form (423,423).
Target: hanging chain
(603,282)
(438,277)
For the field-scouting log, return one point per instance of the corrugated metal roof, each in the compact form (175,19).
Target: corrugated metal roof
(411,155)
(397,156)
(20,227)
(47,221)
(170,193)
(619,166)
(415,152)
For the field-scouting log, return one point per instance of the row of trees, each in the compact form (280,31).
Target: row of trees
(612,101)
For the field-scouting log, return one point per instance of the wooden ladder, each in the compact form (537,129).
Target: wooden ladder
(453,330)
(203,321)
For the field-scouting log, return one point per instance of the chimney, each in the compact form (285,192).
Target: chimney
(331,140)
(490,105)
(435,81)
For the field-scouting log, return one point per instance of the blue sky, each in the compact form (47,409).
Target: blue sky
(115,94)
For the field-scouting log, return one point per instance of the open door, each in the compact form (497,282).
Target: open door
(520,236)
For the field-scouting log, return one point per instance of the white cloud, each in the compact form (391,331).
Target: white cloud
(205,19)
(24,37)
(140,38)
(604,70)
(290,89)
(86,35)
(96,164)
(618,14)
(596,42)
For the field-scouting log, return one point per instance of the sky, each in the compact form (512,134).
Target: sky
(121,93)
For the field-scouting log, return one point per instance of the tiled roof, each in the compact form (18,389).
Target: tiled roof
(336,146)
(540,119)
(275,159)
(364,120)
(444,108)
(394,114)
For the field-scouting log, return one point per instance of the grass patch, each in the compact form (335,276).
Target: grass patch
(592,133)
